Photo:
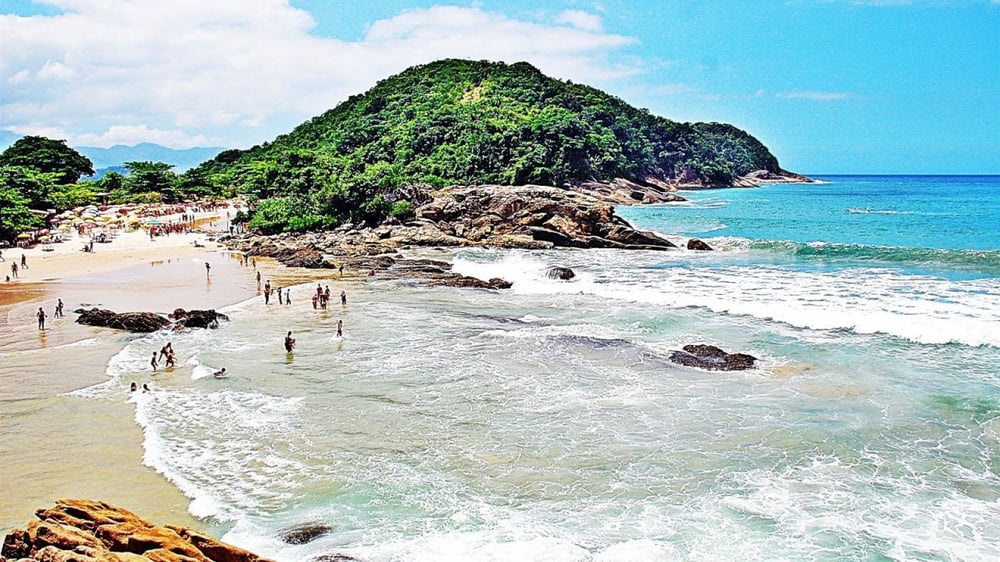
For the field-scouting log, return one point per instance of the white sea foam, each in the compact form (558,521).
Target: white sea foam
(212,447)
(920,308)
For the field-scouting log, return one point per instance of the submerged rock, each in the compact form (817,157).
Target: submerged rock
(93,531)
(712,358)
(304,533)
(696,244)
(563,273)
(131,321)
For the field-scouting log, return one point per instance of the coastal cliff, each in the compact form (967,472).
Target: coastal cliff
(94,531)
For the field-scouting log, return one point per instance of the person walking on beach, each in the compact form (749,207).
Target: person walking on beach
(288,297)
(280,298)
(13,270)
(208,269)
(24,261)
(1,256)
(258,280)
(41,318)
(153,361)
(289,342)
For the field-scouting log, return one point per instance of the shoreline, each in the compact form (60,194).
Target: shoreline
(48,367)
(44,366)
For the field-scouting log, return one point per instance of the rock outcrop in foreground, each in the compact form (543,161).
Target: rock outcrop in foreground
(93,531)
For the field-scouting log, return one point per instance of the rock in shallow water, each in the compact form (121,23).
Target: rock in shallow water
(562,273)
(131,321)
(712,358)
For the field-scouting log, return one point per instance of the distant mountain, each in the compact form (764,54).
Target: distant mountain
(117,155)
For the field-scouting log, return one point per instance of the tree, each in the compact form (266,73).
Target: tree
(147,177)
(15,216)
(34,186)
(48,156)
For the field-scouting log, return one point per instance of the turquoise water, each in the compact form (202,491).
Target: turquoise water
(545,422)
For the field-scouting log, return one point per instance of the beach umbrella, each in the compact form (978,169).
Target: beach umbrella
(23,236)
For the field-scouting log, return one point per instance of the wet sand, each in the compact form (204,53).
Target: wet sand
(54,445)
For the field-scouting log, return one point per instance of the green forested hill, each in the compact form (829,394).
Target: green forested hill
(469,122)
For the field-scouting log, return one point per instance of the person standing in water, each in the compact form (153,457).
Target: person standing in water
(41,318)
(152,361)
(289,342)
(59,309)
(208,269)
(340,328)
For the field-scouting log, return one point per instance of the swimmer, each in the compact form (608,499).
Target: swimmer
(220,373)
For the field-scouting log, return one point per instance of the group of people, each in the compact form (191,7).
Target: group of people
(166,352)
(14,268)
(41,316)
(287,299)
(322,297)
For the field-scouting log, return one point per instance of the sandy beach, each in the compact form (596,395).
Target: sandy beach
(58,446)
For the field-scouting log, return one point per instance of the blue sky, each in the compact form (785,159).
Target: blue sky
(831,86)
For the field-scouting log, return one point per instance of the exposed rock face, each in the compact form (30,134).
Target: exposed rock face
(529,217)
(712,358)
(92,531)
(560,217)
(304,257)
(131,321)
(197,318)
(562,273)
(471,282)
(695,244)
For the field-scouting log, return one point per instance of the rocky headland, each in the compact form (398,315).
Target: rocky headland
(525,217)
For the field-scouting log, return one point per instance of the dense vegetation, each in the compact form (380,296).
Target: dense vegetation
(449,122)
(466,122)
(37,173)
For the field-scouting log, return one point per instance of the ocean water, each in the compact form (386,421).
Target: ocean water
(545,422)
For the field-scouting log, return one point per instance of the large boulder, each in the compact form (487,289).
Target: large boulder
(197,318)
(305,257)
(712,358)
(92,531)
(561,273)
(131,321)
(696,244)
(305,533)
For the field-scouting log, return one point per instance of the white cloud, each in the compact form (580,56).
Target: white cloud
(580,20)
(815,96)
(238,72)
